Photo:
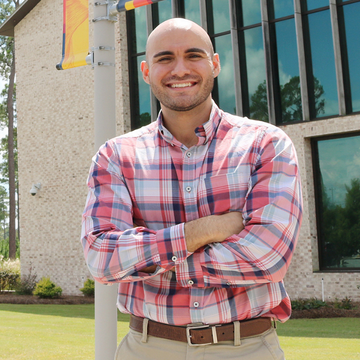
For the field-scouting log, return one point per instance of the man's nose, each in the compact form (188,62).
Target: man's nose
(180,68)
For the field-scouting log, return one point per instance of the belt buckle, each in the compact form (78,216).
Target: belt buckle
(194,327)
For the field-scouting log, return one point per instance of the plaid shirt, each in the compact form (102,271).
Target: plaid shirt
(143,187)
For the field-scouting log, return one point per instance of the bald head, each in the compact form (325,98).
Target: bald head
(173,28)
(180,66)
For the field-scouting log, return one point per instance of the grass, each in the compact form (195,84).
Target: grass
(39,332)
(321,339)
(47,332)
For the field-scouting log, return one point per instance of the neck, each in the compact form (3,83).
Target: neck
(182,124)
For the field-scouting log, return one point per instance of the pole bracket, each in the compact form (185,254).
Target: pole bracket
(104,63)
(90,58)
(111,15)
(105,48)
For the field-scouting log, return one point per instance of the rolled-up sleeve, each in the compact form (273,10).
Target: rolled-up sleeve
(272,216)
(114,248)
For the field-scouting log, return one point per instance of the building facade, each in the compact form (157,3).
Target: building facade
(289,62)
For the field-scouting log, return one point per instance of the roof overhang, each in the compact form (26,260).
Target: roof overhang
(7,27)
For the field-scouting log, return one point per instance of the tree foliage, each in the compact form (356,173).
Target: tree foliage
(6,43)
(290,97)
(4,142)
(7,71)
(341,227)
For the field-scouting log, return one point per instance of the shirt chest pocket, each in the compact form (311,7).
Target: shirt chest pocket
(222,193)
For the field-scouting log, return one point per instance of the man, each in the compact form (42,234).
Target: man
(196,215)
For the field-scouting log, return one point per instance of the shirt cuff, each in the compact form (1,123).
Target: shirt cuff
(172,246)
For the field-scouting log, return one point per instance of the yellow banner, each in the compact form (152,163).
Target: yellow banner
(75,34)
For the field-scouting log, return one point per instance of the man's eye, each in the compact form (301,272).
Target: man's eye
(164,59)
(195,56)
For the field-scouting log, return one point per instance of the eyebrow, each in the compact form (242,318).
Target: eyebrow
(191,50)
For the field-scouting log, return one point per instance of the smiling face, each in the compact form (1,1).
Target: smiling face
(181,65)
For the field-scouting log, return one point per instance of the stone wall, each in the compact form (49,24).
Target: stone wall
(304,280)
(56,144)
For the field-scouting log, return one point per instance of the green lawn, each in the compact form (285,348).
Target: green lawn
(321,339)
(46,332)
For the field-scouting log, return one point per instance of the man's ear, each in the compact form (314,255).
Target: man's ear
(145,71)
(216,64)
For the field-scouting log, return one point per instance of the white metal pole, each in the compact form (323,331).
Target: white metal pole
(105,16)
(105,128)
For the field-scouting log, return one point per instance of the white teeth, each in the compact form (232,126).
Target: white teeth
(181,85)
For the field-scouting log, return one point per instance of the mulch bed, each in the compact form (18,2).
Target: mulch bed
(11,298)
(329,311)
(324,312)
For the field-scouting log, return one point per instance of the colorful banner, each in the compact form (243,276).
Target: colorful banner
(125,5)
(75,34)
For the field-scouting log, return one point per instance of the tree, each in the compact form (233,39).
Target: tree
(341,226)
(7,71)
(290,97)
(259,106)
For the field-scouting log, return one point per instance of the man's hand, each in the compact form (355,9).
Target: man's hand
(207,230)
(149,269)
(211,229)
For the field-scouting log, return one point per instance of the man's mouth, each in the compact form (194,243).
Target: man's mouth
(182,85)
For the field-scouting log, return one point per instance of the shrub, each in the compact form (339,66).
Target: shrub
(9,273)
(4,248)
(89,288)
(45,289)
(307,304)
(27,284)
(345,303)
(8,280)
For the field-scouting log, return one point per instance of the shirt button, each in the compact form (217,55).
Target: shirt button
(188,154)
(174,258)
(188,188)
(190,282)
(228,283)
(196,304)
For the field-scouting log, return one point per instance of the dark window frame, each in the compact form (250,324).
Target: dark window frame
(319,201)
(274,101)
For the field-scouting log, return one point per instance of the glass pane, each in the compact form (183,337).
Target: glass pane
(251,12)
(256,76)
(164,10)
(323,63)
(140,26)
(192,11)
(340,202)
(226,79)
(221,16)
(144,97)
(289,80)
(283,8)
(316,4)
(352,28)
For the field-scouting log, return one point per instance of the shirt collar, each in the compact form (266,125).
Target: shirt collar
(205,132)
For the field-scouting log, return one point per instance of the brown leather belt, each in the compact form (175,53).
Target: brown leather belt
(201,334)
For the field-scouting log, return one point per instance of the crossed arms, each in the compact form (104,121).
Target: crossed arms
(251,245)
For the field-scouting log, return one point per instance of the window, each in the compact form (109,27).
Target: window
(337,179)
(252,60)
(218,15)
(286,77)
(321,70)
(192,11)
(260,44)
(351,31)
(139,91)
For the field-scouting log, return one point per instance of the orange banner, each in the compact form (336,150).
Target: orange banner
(124,5)
(75,34)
